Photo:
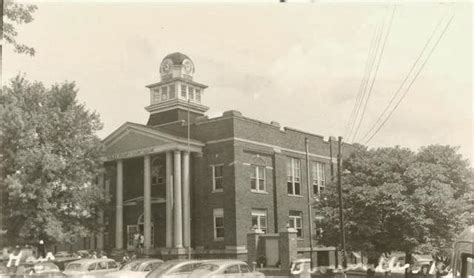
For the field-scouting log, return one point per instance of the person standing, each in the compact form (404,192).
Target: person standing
(41,249)
(142,243)
(136,241)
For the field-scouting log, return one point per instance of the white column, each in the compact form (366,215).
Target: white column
(100,220)
(186,202)
(147,202)
(169,200)
(178,218)
(119,207)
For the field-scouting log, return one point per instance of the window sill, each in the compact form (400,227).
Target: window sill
(297,196)
(217,191)
(219,239)
(258,192)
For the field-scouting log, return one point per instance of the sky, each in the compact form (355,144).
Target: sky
(300,64)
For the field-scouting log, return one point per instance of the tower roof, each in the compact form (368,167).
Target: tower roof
(177,58)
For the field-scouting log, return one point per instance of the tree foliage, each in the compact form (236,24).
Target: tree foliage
(50,159)
(17,14)
(399,200)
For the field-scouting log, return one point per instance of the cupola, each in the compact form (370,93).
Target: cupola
(176,94)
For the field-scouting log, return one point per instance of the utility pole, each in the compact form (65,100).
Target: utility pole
(306,141)
(331,165)
(341,216)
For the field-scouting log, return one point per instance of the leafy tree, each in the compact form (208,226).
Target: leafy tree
(398,200)
(51,156)
(17,14)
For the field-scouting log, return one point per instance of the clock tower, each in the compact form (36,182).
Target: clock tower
(176,93)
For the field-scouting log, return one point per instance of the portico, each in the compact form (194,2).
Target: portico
(138,142)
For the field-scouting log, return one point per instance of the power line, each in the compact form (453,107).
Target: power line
(397,92)
(371,60)
(350,122)
(375,75)
(413,80)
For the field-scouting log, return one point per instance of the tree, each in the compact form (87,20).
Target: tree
(51,157)
(17,14)
(398,200)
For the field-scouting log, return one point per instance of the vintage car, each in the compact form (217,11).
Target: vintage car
(224,269)
(42,269)
(136,269)
(463,254)
(91,268)
(174,269)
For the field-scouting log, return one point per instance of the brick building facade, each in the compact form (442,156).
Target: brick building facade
(205,192)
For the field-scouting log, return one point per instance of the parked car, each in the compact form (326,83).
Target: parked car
(136,269)
(43,270)
(301,268)
(224,269)
(89,268)
(62,258)
(174,269)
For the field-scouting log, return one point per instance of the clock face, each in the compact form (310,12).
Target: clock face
(166,66)
(188,66)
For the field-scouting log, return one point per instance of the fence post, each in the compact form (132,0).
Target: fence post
(252,246)
(287,247)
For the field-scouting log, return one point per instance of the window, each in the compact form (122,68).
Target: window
(111,265)
(218,224)
(187,268)
(293,176)
(296,222)
(318,177)
(92,267)
(244,268)
(156,95)
(183,92)
(191,93)
(164,93)
(198,95)
(148,268)
(101,265)
(172,91)
(259,220)
(257,178)
(232,269)
(217,177)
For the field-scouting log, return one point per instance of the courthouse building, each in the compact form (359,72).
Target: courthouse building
(196,184)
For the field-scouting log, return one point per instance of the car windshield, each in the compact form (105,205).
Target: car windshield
(208,267)
(73,266)
(131,266)
(45,268)
(162,268)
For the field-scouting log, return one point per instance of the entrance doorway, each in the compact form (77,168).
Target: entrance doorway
(131,229)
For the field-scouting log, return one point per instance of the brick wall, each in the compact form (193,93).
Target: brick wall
(237,143)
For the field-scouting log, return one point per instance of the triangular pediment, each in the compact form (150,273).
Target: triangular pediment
(135,140)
